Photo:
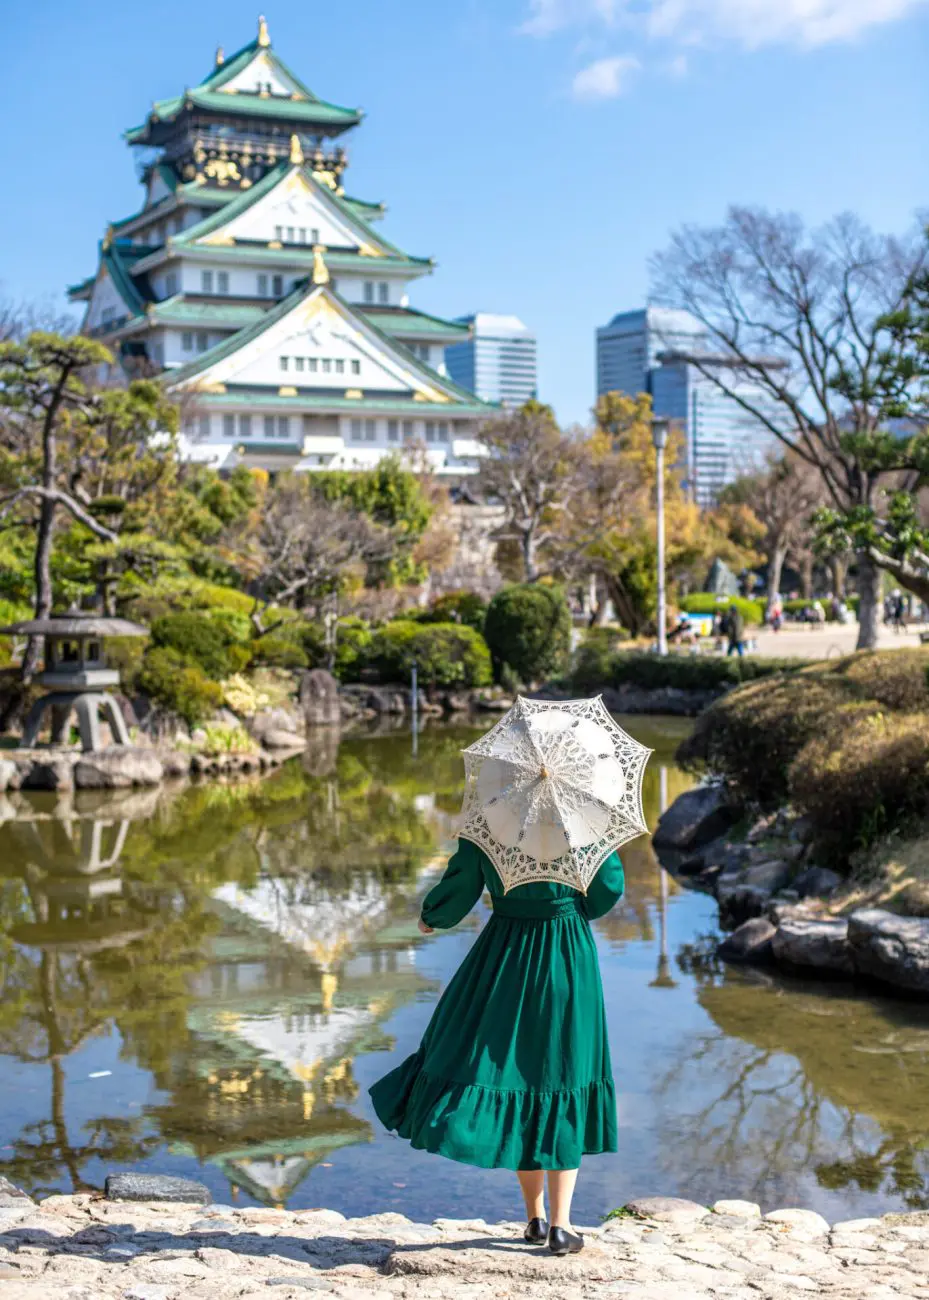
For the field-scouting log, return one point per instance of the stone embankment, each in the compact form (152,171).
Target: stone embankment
(781,907)
(90,1248)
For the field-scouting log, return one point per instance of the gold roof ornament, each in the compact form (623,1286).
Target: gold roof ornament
(220,56)
(320,269)
(296,151)
(263,38)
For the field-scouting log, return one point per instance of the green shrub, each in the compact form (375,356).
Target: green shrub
(898,679)
(278,650)
(704,602)
(592,662)
(465,607)
(201,640)
(859,781)
(528,628)
(178,684)
(352,644)
(446,654)
(693,672)
(752,735)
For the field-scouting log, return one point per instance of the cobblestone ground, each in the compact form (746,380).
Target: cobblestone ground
(79,1248)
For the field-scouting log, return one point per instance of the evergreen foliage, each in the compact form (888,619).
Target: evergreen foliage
(528,630)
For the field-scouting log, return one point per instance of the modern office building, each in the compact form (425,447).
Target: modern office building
(653,351)
(266,296)
(497,362)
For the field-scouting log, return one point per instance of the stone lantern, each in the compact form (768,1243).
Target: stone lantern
(76,672)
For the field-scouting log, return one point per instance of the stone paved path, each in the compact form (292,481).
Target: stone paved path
(79,1248)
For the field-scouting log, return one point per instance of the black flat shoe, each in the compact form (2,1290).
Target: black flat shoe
(536,1232)
(562,1242)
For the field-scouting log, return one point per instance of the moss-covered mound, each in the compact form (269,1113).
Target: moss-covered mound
(846,742)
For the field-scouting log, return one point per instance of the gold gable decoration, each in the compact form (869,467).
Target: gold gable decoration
(264,39)
(296,152)
(320,269)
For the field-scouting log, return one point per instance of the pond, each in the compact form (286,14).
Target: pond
(206,982)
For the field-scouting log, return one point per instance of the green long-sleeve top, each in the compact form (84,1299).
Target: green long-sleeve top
(470,872)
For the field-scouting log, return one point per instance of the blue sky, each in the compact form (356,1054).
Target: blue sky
(540,150)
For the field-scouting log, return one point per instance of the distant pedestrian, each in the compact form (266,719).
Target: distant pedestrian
(777,614)
(898,610)
(735,631)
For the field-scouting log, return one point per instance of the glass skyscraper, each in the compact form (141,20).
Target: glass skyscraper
(652,351)
(498,362)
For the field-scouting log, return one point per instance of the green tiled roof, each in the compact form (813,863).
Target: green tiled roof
(408,324)
(294,256)
(235,342)
(195,192)
(248,198)
(367,211)
(307,400)
(178,311)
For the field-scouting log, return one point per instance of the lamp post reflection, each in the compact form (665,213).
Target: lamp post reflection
(663,978)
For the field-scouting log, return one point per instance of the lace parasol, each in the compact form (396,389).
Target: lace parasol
(552,790)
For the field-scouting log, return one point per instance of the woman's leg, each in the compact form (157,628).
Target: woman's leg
(560,1191)
(532,1182)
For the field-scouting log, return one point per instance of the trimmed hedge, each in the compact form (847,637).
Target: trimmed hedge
(704,602)
(207,643)
(683,671)
(898,679)
(446,654)
(528,631)
(352,645)
(465,607)
(177,684)
(863,780)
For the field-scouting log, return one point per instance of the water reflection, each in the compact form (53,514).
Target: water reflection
(206,983)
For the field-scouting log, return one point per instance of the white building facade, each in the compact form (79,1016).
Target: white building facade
(264,295)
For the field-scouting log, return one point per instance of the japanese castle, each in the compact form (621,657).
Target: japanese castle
(266,296)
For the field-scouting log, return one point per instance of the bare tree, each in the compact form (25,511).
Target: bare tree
(529,468)
(825,307)
(783,497)
(298,548)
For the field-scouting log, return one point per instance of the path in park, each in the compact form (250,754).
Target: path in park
(81,1248)
(829,642)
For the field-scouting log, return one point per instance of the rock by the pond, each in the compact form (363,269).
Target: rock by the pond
(815,945)
(11,1196)
(119,767)
(48,773)
(175,763)
(807,1221)
(695,817)
(156,1187)
(890,948)
(738,1209)
(278,739)
(770,874)
(319,698)
(751,942)
(667,1209)
(816,882)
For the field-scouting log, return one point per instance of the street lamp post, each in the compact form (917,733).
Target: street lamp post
(660,441)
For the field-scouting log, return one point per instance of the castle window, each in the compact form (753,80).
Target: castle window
(279,234)
(340,367)
(370,430)
(203,340)
(369,291)
(443,430)
(302,233)
(290,235)
(277,285)
(245,426)
(356,430)
(430,431)
(284,362)
(228,426)
(262,286)
(222,285)
(314,235)
(269,426)
(393,430)
(311,363)
(407,430)
(298,363)
(283,426)
(171,284)
(327,366)
(206,281)
(356,367)
(187,341)
(383,292)
(204,426)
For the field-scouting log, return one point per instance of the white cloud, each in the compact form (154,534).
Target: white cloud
(605,78)
(678,66)
(547,16)
(751,23)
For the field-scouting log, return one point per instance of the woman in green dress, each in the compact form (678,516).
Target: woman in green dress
(513,1071)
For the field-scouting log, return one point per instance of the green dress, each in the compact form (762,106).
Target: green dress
(513,1071)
